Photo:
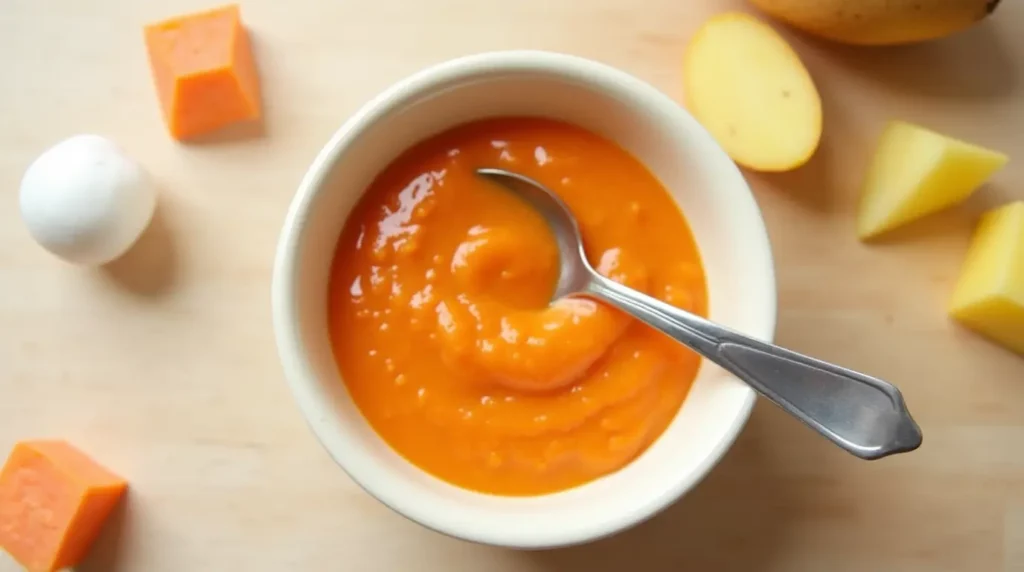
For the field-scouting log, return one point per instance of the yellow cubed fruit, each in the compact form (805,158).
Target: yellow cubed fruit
(916,172)
(989,297)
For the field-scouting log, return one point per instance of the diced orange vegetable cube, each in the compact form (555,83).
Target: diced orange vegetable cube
(204,71)
(53,503)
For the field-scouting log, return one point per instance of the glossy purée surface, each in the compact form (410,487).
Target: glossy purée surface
(441,321)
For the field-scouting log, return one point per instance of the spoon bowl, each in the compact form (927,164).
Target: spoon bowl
(861,414)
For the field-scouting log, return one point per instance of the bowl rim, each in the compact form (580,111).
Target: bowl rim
(283,283)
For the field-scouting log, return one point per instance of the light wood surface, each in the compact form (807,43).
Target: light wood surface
(163,365)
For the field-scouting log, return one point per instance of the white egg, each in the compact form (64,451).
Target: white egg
(85,201)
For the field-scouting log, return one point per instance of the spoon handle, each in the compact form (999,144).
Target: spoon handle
(862,414)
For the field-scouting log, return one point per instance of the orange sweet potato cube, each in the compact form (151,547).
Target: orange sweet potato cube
(204,71)
(53,503)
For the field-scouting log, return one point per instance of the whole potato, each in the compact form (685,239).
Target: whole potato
(879,22)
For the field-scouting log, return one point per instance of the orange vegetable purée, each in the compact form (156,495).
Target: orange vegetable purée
(204,71)
(53,502)
(441,322)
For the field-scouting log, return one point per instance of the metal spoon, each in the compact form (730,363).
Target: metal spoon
(862,414)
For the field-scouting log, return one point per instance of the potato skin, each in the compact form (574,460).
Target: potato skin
(879,22)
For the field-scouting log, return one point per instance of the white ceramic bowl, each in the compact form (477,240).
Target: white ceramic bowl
(704,182)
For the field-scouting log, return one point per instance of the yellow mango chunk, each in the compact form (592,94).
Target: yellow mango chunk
(916,172)
(989,297)
(750,90)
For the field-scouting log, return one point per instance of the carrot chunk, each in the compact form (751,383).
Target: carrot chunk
(53,503)
(204,71)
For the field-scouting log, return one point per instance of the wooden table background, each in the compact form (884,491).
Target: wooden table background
(163,365)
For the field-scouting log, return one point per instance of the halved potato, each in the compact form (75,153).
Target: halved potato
(748,87)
